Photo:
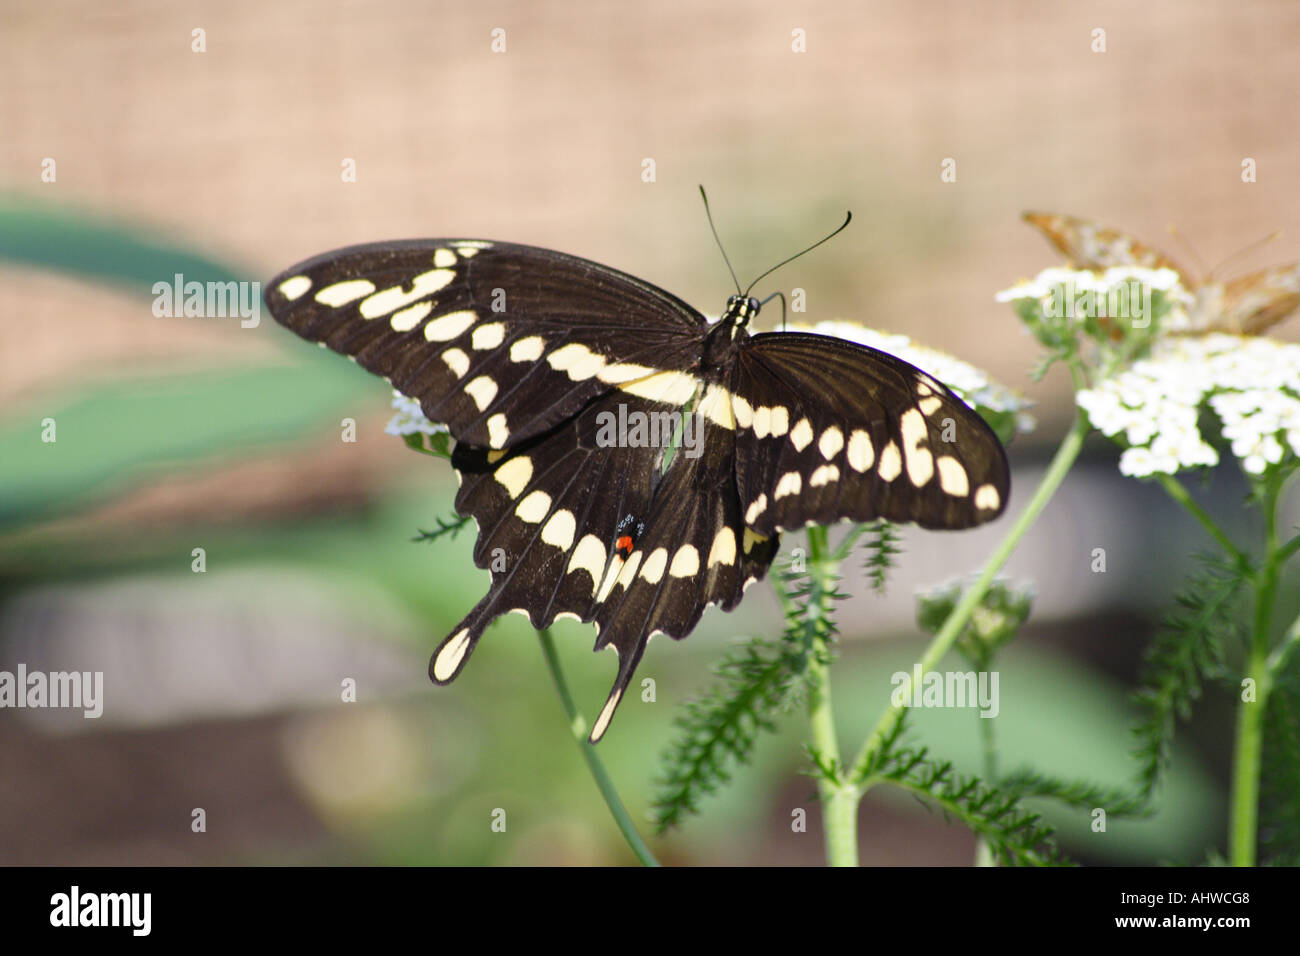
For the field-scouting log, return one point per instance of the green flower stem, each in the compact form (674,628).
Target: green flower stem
(578,727)
(839,801)
(952,628)
(1243,812)
(1180,494)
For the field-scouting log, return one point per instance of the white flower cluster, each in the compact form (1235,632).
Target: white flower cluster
(410,419)
(1252,385)
(974,386)
(1045,284)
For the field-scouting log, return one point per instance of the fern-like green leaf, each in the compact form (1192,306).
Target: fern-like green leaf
(1187,650)
(452,527)
(1116,801)
(1015,835)
(882,552)
(754,685)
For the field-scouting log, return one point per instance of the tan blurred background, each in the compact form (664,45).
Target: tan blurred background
(236,152)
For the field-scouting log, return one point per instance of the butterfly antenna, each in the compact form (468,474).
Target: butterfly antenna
(705,197)
(1271,237)
(1187,247)
(848,217)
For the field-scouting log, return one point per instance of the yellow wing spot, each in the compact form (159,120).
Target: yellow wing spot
(801,435)
(925,385)
(831,442)
(930,405)
(559,531)
(295,287)
(686,562)
(589,556)
(987,498)
(952,476)
(457,361)
(341,293)
(861,453)
(653,571)
(621,372)
(577,361)
(756,508)
(488,336)
(407,319)
(425,284)
(762,421)
(723,550)
(444,258)
(450,326)
(452,653)
(753,540)
(527,349)
(716,407)
(498,431)
(824,475)
(534,508)
(628,572)
(482,389)
(780,421)
(670,388)
(920,462)
(515,474)
(790,484)
(611,575)
(606,715)
(891,463)
(743,410)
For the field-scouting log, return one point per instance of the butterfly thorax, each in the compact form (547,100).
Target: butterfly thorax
(724,337)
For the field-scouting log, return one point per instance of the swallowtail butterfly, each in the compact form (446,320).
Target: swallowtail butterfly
(1247,305)
(525,353)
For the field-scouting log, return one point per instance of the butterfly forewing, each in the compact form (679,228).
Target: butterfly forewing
(1090,245)
(498,341)
(830,430)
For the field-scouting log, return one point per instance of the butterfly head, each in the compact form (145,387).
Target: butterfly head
(740,309)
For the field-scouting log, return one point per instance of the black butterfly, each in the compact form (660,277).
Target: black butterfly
(525,354)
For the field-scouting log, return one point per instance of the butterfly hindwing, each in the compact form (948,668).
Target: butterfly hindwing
(692,550)
(1253,303)
(828,430)
(547,512)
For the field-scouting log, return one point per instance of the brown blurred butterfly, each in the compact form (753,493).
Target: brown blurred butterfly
(1247,305)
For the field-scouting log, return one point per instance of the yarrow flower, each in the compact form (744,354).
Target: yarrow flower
(972,385)
(1250,385)
(410,419)
(1046,283)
